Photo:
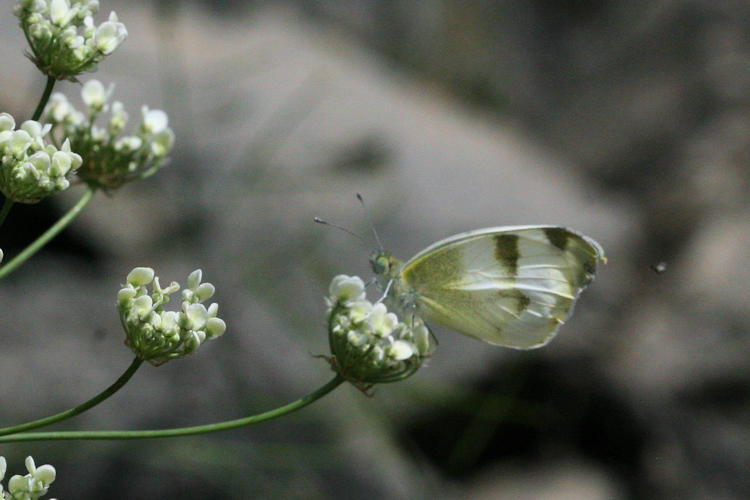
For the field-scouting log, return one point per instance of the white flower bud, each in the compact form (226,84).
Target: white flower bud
(109,35)
(41,161)
(19,142)
(18,484)
(140,276)
(204,291)
(45,474)
(162,143)
(196,315)
(154,120)
(400,350)
(345,288)
(58,108)
(143,306)
(213,309)
(61,163)
(129,143)
(60,12)
(7,122)
(94,94)
(215,327)
(194,279)
(125,294)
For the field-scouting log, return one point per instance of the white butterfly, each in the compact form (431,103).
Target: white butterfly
(510,286)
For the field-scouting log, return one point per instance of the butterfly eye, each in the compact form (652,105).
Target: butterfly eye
(380,264)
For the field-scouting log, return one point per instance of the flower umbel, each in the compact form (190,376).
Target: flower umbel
(110,159)
(33,485)
(370,345)
(30,168)
(63,38)
(157,336)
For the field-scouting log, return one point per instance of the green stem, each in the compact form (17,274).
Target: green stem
(180,431)
(48,235)
(7,205)
(80,408)
(44,99)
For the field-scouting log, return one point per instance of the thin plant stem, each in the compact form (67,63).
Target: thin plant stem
(180,431)
(49,234)
(7,205)
(109,391)
(45,97)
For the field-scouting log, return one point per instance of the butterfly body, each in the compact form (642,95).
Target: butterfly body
(512,286)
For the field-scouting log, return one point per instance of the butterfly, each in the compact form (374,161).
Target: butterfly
(510,286)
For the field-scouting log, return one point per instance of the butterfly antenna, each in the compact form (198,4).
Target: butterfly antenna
(331,224)
(369,221)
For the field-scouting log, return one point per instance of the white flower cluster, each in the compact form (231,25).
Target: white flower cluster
(369,345)
(31,169)
(111,159)
(157,336)
(63,38)
(33,485)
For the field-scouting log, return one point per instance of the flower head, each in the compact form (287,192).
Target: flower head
(111,159)
(63,38)
(30,168)
(31,486)
(369,344)
(156,335)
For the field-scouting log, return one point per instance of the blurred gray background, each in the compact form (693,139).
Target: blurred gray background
(628,121)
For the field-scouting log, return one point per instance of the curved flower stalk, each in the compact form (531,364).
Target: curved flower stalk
(158,336)
(33,485)
(370,345)
(30,168)
(62,36)
(110,160)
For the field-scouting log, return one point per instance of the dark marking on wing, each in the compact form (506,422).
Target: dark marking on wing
(521,299)
(557,236)
(506,251)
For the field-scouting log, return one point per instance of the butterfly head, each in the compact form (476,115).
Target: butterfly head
(380,263)
(384,264)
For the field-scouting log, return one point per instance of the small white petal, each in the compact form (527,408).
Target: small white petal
(196,315)
(194,279)
(154,120)
(45,473)
(109,35)
(400,350)
(33,127)
(163,142)
(140,276)
(205,291)
(345,288)
(7,122)
(125,294)
(215,327)
(94,94)
(142,306)
(58,11)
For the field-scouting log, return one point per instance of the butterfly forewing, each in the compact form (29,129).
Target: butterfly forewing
(511,286)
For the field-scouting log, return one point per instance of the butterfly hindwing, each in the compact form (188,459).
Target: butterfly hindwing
(511,286)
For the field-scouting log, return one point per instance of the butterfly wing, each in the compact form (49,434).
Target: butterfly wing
(510,286)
